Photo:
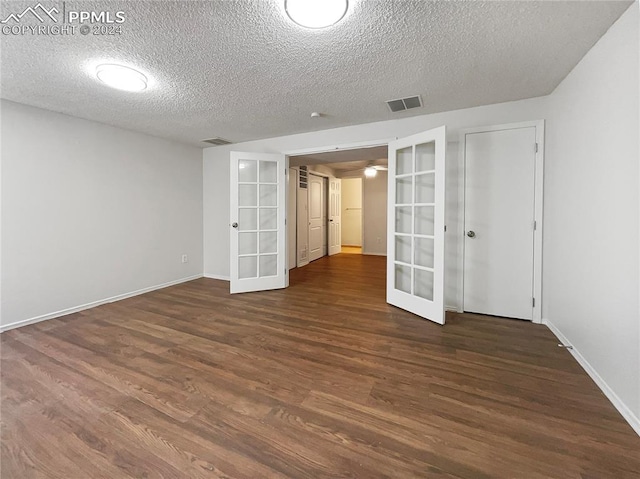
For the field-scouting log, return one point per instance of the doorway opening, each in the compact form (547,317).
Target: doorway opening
(411,219)
(352,215)
(335,208)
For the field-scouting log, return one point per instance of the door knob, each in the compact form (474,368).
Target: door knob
(235,225)
(471,234)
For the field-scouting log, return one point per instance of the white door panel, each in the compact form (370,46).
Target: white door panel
(499,222)
(335,218)
(316,226)
(258,252)
(415,244)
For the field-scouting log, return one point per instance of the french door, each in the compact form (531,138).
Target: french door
(258,222)
(415,224)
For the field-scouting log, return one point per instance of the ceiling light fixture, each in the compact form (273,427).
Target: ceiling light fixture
(370,172)
(121,77)
(316,13)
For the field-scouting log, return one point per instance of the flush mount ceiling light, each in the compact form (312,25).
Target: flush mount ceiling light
(370,172)
(121,77)
(316,13)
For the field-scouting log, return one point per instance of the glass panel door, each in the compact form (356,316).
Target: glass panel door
(415,259)
(257,222)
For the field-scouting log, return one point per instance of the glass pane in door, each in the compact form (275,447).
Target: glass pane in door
(423,284)
(247,171)
(425,188)
(404,161)
(403,278)
(425,157)
(424,220)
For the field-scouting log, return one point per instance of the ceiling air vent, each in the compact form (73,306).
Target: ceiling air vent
(217,141)
(404,103)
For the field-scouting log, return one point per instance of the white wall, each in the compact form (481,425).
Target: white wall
(591,235)
(91,212)
(351,199)
(452,270)
(322,169)
(216,159)
(374,214)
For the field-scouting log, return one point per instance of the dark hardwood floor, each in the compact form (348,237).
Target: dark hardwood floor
(323,379)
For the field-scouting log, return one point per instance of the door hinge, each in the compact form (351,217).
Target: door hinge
(535,225)
(536,147)
(533,302)
(445,228)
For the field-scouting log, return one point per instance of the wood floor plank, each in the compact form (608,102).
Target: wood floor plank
(323,379)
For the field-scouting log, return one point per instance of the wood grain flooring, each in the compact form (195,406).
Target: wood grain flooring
(322,380)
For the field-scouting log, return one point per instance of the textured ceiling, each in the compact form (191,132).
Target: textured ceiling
(345,163)
(241,70)
(344,159)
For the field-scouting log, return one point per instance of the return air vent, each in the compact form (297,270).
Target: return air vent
(304,177)
(404,103)
(217,141)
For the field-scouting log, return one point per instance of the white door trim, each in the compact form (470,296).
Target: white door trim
(538,208)
(344,146)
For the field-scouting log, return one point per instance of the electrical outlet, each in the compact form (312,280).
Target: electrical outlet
(185,258)
(379,240)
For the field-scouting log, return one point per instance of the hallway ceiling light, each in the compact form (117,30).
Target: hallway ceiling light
(316,13)
(370,172)
(121,77)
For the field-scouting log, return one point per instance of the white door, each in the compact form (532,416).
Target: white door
(325,218)
(335,219)
(499,222)
(316,223)
(292,207)
(258,213)
(415,244)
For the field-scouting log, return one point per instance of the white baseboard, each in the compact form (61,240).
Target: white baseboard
(373,254)
(217,276)
(622,408)
(76,309)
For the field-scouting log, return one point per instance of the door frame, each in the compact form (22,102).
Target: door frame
(539,125)
(342,146)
